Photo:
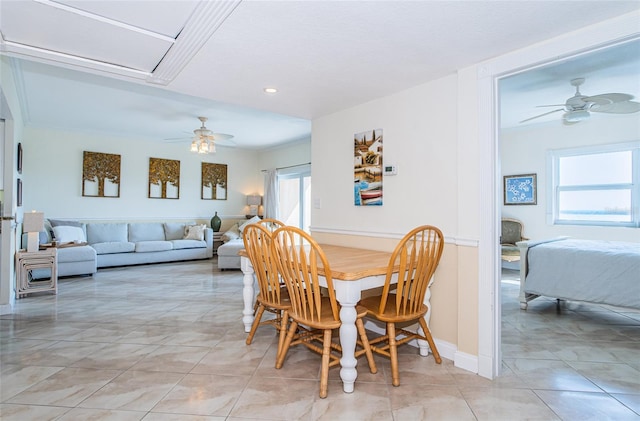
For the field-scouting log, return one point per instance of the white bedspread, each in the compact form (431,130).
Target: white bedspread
(606,272)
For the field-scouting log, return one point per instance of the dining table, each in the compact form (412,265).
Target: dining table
(353,270)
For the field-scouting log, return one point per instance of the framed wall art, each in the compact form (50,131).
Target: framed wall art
(367,168)
(520,189)
(19,162)
(100,174)
(19,192)
(164,178)
(214,181)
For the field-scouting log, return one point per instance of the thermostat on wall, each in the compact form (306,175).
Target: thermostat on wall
(390,170)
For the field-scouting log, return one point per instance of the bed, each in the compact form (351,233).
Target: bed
(603,272)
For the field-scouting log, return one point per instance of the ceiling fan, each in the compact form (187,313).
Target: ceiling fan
(579,107)
(204,140)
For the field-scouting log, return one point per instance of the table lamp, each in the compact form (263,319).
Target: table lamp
(253,200)
(32,224)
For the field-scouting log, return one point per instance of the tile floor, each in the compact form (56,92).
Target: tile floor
(165,342)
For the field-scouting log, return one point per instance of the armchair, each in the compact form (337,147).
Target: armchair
(510,234)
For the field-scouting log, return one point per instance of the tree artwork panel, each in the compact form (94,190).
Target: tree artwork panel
(214,181)
(164,178)
(367,168)
(100,174)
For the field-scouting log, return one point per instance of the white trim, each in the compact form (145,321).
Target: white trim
(203,23)
(7,308)
(465,361)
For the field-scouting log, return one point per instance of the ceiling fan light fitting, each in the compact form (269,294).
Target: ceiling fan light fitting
(576,116)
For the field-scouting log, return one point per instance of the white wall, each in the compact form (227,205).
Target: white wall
(53,177)
(290,154)
(419,137)
(524,151)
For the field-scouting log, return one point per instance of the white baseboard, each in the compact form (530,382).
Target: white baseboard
(466,361)
(6,309)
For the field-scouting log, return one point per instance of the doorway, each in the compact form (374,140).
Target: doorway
(525,138)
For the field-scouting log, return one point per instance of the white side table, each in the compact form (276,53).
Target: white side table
(26,262)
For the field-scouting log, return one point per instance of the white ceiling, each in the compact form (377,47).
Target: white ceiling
(149,68)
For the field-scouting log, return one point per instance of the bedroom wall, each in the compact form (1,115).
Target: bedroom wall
(523,151)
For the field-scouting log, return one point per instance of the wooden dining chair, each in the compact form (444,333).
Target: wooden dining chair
(270,224)
(299,259)
(272,297)
(416,258)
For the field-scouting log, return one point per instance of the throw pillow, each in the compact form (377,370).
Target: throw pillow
(253,220)
(231,234)
(195,232)
(67,234)
(58,222)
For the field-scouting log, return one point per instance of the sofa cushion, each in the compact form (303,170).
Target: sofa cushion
(111,247)
(253,220)
(107,233)
(149,246)
(146,232)
(174,230)
(46,235)
(231,234)
(195,232)
(188,244)
(231,248)
(59,222)
(66,234)
(76,254)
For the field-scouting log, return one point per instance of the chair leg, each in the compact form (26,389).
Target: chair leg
(326,356)
(429,338)
(393,354)
(283,332)
(366,346)
(256,323)
(287,342)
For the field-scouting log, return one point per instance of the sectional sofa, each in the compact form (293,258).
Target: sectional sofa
(228,257)
(89,246)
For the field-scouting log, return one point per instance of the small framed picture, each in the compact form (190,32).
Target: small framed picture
(19,193)
(19,164)
(520,189)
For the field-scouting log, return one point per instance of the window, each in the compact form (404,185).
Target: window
(596,185)
(294,197)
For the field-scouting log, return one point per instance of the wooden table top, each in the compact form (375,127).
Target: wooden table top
(350,264)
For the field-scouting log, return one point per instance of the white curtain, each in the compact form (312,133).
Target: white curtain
(271,194)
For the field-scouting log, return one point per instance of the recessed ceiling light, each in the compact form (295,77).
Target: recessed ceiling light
(270,90)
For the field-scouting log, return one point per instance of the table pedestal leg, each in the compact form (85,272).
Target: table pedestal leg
(248,294)
(348,295)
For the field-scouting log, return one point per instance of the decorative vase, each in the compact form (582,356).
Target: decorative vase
(215,223)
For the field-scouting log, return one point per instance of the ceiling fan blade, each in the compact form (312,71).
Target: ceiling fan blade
(623,107)
(551,105)
(221,136)
(542,115)
(603,99)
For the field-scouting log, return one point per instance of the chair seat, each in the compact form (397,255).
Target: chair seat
(284,304)
(326,317)
(372,305)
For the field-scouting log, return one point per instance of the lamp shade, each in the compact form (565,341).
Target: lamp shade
(254,200)
(33,222)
